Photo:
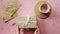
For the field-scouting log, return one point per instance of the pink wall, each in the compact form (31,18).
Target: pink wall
(50,25)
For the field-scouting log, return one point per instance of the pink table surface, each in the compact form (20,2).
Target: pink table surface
(50,25)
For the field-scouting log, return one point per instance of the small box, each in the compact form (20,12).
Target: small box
(32,22)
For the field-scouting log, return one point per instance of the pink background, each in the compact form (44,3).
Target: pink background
(50,25)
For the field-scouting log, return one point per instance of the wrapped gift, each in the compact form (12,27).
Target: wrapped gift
(27,22)
(10,10)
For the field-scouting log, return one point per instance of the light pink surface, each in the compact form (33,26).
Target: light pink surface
(50,25)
